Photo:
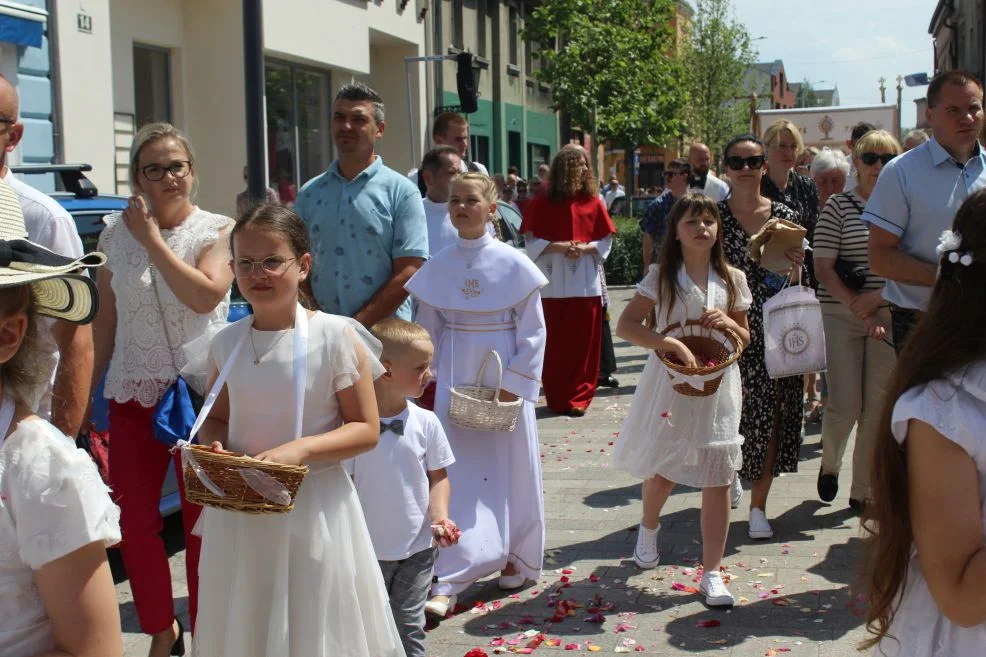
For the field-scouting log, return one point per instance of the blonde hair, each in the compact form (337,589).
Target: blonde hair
(783,125)
(397,334)
(876,139)
(153,132)
(490,191)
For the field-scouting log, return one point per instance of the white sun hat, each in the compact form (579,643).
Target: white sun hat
(61,289)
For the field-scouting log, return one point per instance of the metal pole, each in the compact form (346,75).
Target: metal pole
(253,77)
(410,110)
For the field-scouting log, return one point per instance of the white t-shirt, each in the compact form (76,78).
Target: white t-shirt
(392,482)
(610,194)
(441,232)
(714,188)
(51,226)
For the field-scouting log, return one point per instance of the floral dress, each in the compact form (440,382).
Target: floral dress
(761,394)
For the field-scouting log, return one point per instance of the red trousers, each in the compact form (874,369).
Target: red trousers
(571,355)
(138,466)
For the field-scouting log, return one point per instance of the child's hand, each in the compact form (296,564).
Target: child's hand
(716,319)
(217,447)
(683,353)
(292,453)
(446,533)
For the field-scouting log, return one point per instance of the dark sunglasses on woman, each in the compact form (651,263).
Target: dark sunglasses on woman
(869,159)
(735,162)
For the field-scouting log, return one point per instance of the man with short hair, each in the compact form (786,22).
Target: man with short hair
(612,192)
(654,222)
(914,139)
(857,133)
(367,222)
(918,193)
(702,181)
(438,168)
(66,348)
(450,129)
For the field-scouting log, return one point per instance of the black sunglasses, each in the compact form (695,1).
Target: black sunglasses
(735,162)
(869,159)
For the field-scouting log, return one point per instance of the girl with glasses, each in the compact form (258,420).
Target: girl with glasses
(771,421)
(166,280)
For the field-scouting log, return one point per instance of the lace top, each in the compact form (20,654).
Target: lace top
(52,502)
(141,367)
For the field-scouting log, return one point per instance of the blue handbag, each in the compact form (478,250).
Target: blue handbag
(177,409)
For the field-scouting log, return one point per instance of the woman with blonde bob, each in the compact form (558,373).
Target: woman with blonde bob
(569,234)
(856,319)
(166,280)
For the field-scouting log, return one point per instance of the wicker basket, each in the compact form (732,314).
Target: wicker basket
(478,407)
(225,470)
(722,345)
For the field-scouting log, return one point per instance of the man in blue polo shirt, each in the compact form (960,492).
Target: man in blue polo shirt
(917,195)
(367,222)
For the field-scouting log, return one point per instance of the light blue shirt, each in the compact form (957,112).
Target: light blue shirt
(358,227)
(916,198)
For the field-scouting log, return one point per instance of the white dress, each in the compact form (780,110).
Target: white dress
(304,583)
(956,408)
(477,296)
(699,443)
(52,502)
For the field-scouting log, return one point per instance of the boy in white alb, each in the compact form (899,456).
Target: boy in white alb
(402,484)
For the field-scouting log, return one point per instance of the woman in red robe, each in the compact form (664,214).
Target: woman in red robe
(568,235)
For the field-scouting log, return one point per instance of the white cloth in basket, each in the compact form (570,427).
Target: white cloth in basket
(304,583)
(496,476)
(699,444)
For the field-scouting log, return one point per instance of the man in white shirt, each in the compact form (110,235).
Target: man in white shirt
(439,166)
(450,129)
(612,192)
(703,182)
(67,348)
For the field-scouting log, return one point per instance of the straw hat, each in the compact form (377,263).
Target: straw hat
(61,289)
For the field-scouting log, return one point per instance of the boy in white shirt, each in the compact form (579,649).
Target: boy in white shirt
(402,483)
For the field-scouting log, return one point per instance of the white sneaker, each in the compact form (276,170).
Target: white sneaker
(440,605)
(646,554)
(735,491)
(759,527)
(511,582)
(715,591)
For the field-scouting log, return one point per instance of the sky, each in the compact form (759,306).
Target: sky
(846,43)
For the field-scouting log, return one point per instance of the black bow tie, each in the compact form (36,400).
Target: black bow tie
(396,426)
(698,181)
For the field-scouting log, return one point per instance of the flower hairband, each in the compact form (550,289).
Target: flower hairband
(948,246)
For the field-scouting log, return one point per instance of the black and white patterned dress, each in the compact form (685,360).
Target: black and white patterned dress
(761,394)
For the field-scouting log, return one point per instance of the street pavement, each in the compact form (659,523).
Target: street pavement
(797,594)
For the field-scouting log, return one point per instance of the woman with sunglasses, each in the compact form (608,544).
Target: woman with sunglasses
(856,319)
(166,279)
(771,418)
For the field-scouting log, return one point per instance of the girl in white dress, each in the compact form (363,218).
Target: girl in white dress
(304,583)
(56,516)
(478,296)
(926,551)
(669,437)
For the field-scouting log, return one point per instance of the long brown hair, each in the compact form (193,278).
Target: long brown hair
(672,258)
(277,218)
(22,375)
(566,178)
(949,336)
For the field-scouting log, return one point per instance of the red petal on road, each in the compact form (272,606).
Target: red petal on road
(708,623)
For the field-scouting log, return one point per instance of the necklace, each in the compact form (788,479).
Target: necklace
(258,357)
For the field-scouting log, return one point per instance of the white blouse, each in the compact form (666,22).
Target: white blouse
(52,502)
(567,277)
(141,368)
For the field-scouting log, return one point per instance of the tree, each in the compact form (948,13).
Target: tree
(613,70)
(807,96)
(719,58)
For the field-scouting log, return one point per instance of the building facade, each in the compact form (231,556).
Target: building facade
(182,61)
(781,95)
(515,123)
(959,31)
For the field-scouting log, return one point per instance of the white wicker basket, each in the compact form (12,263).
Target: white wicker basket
(478,407)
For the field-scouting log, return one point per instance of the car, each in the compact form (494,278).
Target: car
(509,220)
(80,197)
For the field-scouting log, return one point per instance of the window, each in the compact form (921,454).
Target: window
(298,113)
(152,85)
(537,155)
(458,39)
(479,149)
(482,7)
(532,62)
(513,28)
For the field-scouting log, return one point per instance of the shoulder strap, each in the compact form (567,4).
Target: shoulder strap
(160,312)
(471,167)
(851,197)
(6,415)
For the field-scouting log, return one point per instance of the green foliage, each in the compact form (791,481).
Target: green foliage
(718,56)
(807,96)
(612,70)
(626,259)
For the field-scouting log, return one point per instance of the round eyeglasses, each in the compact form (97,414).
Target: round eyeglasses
(155,172)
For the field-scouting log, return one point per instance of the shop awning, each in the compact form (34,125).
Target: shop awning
(21,24)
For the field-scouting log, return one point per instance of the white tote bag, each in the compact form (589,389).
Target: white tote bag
(794,339)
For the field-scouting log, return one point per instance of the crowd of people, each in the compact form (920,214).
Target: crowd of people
(382,301)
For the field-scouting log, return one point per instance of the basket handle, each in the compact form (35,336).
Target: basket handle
(499,373)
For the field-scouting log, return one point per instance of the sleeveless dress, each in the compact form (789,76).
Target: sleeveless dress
(304,583)
(699,444)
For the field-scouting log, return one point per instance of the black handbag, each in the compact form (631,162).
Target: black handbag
(853,276)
